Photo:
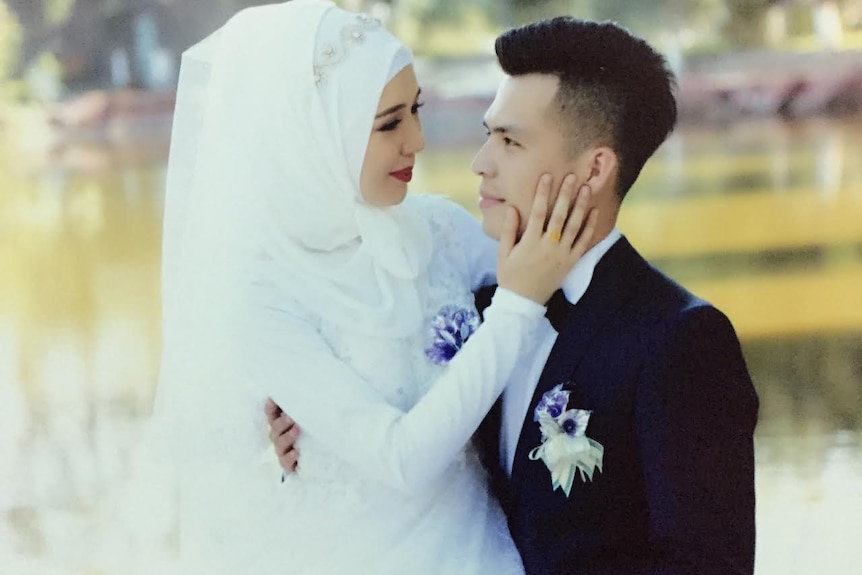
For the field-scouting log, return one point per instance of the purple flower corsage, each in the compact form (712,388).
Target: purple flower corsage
(450,330)
(566,450)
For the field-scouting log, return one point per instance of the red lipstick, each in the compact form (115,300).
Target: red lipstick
(404,175)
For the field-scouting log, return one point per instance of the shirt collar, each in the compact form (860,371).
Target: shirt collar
(576,283)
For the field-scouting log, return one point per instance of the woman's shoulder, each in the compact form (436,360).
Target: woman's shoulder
(445,216)
(459,242)
(433,202)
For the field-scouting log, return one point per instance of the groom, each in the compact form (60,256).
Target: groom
(670,401)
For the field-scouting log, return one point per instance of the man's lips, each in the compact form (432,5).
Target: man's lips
(487,200)
(404,175)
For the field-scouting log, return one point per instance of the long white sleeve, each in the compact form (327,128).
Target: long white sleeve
(332,404)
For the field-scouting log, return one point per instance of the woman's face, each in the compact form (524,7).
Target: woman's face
(396,138)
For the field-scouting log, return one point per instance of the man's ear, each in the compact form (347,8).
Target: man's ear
(600,166)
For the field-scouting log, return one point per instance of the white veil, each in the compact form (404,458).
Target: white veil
(274,111)
(273,116)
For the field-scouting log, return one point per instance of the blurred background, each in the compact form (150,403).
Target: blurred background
(755,203)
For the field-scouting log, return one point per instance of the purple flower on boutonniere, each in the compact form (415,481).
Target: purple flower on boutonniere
(566,450)
(574,422)
(552,403)
(450,330)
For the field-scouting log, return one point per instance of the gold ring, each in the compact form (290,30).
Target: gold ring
(555,236)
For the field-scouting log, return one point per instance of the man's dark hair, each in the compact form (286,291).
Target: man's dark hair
(615,90)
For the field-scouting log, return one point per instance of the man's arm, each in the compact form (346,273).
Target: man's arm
(695,415)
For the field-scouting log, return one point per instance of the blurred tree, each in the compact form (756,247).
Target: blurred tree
(646,17)
(658,15)
(641,15)
(433,12)
(517,12)
(523,11)
(34,28)
(57,11)
(735,24)
(672,25)
(745,26)
(10,40)
(451,27)
(444,11)
(504,13)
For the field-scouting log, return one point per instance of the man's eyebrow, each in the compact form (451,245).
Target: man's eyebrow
(503,129)
(396,107)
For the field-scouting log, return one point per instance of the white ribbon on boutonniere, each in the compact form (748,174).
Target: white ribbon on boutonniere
(566,450)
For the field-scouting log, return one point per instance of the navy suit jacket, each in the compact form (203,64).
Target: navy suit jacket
(674,407)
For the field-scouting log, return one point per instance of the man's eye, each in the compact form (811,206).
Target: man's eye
(509,141)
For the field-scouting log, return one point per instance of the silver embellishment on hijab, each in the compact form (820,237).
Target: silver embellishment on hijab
(335,52)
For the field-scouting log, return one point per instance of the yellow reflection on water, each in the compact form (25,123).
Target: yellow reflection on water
(79,332)
(762,220)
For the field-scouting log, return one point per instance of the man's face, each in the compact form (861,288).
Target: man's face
(523,143)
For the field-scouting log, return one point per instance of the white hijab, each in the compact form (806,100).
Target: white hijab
(273,117)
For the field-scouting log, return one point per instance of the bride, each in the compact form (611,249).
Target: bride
(295,269)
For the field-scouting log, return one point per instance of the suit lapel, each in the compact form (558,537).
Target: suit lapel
(614,282)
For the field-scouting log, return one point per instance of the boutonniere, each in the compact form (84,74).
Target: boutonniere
(566,449)
(450,329)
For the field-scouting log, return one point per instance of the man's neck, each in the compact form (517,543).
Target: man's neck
(603,228)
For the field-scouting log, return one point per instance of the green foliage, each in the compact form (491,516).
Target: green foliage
(524,11)
(746,23)
(649,18)
(657,14)
(58,11)
(449,11)
(10,41)
(734,23)
(10,44)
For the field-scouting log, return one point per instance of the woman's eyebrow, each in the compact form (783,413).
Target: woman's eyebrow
(396,107)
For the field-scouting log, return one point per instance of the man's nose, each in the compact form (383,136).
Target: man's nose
(482,165)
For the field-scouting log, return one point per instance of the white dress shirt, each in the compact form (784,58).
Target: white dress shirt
(520,389)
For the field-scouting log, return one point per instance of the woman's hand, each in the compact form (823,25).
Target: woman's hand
(283,433)
(536,265)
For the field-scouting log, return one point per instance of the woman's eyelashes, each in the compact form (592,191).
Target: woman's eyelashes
(390,125)
(393,123)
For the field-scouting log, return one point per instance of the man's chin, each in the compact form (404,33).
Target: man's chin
(492,228)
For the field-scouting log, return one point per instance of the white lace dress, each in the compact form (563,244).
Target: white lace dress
(388,482)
